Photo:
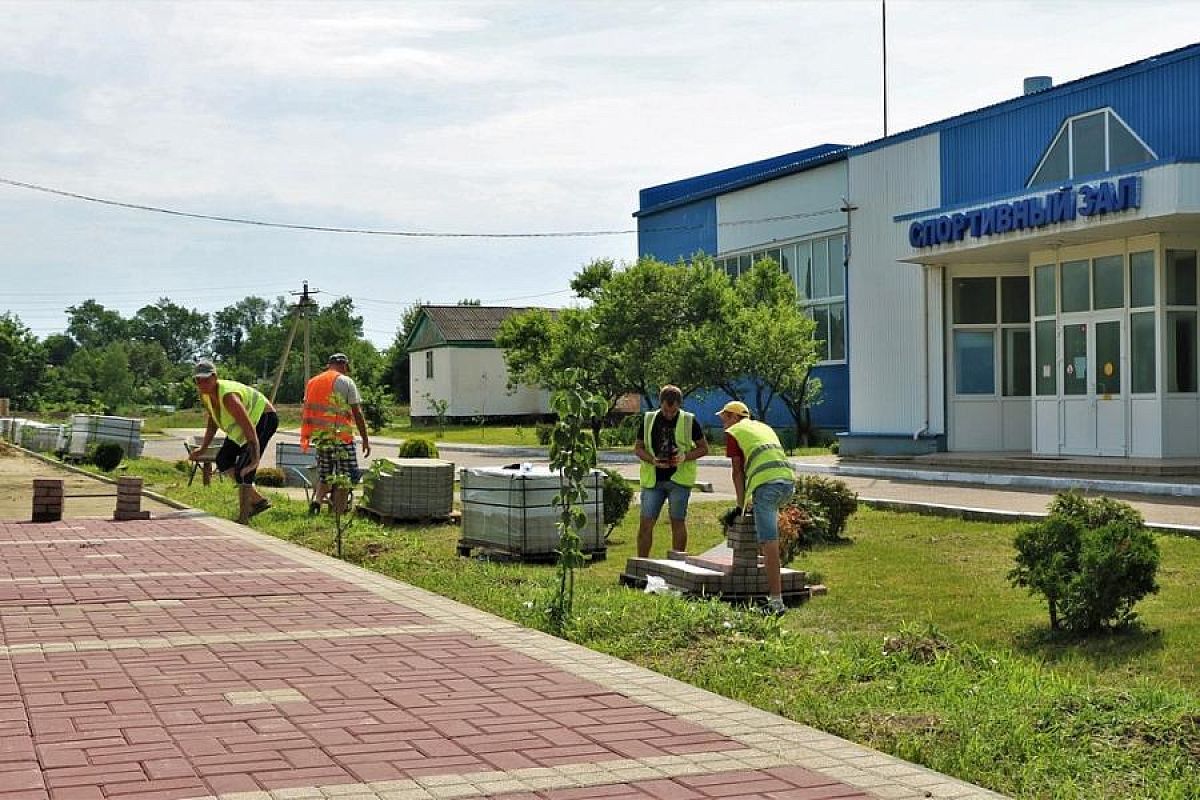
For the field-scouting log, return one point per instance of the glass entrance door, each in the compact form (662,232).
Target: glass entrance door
(1093,394)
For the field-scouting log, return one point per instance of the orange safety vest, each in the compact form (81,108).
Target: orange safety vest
(320,412)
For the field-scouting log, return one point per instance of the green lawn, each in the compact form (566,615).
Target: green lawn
(970,683)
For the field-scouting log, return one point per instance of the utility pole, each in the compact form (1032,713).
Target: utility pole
(300,316)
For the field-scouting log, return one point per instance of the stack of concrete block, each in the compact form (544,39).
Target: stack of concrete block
(129,500)
(47,499)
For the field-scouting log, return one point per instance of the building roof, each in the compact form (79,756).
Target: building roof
(668,195)
(460,325)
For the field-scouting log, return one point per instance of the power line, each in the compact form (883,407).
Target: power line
(317,228)
(399,233)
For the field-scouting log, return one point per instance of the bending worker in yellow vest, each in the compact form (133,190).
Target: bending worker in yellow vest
(668,445)
(331,399)
(249,420)
(763,478)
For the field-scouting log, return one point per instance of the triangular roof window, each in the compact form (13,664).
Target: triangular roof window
(1089,144)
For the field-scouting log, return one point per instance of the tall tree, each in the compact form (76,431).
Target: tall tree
(232,326)
(22,361)
(181,332)
(92,325)
(396,361)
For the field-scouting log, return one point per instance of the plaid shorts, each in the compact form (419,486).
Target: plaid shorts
(341,460)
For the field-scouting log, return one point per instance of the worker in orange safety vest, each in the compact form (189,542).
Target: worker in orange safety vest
(331,400)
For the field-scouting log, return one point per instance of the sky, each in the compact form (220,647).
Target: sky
(450,118)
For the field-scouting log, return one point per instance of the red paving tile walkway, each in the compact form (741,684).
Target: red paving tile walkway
(177,659)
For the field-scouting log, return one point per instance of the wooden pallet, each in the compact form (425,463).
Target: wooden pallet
(465,546)
(454,517)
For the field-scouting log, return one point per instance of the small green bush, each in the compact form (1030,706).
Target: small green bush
(417,447)
(1091,560)
(376,408)
(182,465)
(835,501)
(544,431)
(106,455)
(834,447)
(618,495)
(270,476)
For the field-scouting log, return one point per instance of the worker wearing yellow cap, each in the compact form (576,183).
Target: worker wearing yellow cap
(763,478)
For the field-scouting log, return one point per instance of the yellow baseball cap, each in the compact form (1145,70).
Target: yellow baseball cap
(735,407)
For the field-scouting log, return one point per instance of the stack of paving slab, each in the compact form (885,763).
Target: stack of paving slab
(512,511)
(733,572)
(89,429)
(41,437)
(410,488)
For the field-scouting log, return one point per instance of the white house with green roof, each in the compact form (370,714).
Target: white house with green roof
(454,358)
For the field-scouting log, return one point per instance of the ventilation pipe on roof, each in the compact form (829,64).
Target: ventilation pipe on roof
(1038,83)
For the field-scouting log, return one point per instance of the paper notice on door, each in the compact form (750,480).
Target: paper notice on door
(1046,370)
(1081,367)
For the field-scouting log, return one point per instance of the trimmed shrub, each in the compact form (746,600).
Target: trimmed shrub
(618,495)
(544,433)
(832,499)
(270,476)
(106,455)
(1091,560)
(418,448)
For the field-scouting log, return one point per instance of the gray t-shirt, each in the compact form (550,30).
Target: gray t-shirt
(345,387)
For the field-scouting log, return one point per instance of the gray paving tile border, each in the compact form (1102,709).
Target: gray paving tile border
(769,736)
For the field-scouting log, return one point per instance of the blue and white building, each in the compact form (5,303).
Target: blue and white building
(1022,277)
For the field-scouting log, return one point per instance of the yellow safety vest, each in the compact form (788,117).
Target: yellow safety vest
(765,457)
(254,401)
(685,473)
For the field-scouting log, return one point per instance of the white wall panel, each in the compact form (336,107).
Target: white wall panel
(892,386)
(1181,426)
(816,192)
(474,381)
(1146,431)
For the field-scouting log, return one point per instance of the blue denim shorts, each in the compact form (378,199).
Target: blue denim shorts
(653,499)
(768,499)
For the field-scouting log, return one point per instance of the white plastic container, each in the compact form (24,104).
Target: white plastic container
(513,511)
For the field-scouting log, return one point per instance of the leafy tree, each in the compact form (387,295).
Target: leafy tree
(232,326)
(396,372)
(182,333)
(470,302)
(58,348)
(92,325)
(22,361)
(102,373)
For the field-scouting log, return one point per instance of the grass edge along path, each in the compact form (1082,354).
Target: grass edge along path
(1006,720)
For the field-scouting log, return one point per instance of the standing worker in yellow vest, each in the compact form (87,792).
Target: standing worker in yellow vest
(249,420)
(323,412)
(668,445)
(763,478)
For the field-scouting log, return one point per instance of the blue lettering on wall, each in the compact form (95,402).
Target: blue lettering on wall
(1063,205)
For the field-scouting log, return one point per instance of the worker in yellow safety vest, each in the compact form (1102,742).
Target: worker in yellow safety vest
(331,401)
(763,478)
(248,420)
(668,445)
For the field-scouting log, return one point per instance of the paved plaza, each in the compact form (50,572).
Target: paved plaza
(189,657)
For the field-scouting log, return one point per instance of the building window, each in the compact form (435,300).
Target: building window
(1089,144)
(817,266)
(428,363)
(983,311)
(1141,352)
(1141,279)
(1181,321)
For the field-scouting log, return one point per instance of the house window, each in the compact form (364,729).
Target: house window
(1089,144)
(818,268)
(428,363)
(1181,363)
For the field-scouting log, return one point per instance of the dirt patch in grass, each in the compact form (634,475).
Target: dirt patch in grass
(17,471)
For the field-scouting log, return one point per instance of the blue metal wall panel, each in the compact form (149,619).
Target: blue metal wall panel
(831,415)
(995,154)
(679,232)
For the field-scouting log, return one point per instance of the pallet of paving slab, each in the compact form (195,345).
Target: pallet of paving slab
(384,518)
(464,547)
